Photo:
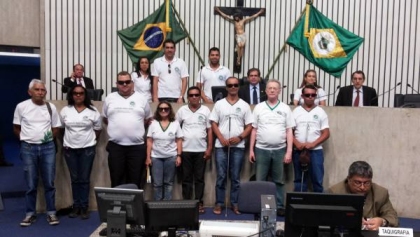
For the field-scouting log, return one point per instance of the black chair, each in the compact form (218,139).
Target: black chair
(95,94)
(127,186)
(114,89)
(249,198)
(292,96)
(407,101)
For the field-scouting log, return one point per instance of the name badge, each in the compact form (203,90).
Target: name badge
(387,231)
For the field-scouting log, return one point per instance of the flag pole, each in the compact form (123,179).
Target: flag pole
(188,34)
(283,48)
(168,26)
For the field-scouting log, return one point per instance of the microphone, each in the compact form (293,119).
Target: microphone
(376,97)
(412,88)
(284,86)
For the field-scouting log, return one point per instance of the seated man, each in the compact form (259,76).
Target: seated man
(378,210)
(77,77)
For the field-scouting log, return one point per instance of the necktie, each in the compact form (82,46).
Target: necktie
(79,81)
(254,96)
(356,101)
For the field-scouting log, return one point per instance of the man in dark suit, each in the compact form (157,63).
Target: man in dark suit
(76,78)
(253,92)
(357,95)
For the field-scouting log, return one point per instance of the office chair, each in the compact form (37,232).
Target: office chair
(95,94)
(249,198)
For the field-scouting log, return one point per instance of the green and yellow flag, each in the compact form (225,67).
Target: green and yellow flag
(146,37)
(323,42)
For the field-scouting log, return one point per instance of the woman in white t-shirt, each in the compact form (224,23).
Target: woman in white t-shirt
(143,79)
(310,78)
(82,127)
(164,148)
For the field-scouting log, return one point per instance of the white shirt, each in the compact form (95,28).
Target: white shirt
(309,124)
(231,117)
(126,118)
(143,85)
(170,84)
(80,127)
(210,77)
(321,96)
(271,124)
(360,96)
(79,81)
(194,127)
(35,121)
(164,141)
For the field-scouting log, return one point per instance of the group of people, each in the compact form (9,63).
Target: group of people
(185,138)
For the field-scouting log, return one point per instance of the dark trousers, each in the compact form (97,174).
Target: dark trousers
(193,166)
(170,100)
(126,163)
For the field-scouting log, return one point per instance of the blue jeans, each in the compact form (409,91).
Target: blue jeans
(79,162)
(315,171)
(163,174)
(39,158)
(234,164)
(271,160)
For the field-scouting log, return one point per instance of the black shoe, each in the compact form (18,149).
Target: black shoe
(28,221)
(74,212)
(84,213)
(280,212)
(5,163)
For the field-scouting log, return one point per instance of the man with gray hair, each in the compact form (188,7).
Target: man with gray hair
(377,210)
(36,123)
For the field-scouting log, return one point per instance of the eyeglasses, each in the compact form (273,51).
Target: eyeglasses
(169,68)
(128,82)
(309,95)
(164,109)
(78,93)
(193,95)
(232,85)
(359,184)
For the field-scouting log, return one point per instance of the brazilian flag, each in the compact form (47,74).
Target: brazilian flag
(323,42)
(146,37)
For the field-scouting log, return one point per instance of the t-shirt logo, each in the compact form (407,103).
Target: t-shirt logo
(171,134)
(85,118)
(132,103)
(238,110)
(315,117)
(200,118)
(222,78)
(178,71)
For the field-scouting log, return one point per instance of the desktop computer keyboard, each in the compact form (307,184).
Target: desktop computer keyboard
(135,231)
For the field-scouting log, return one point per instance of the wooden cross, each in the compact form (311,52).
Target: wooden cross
(236,15)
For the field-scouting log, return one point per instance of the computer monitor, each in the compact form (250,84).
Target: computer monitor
(119,207)
(323,214)
(172,216)
(218,93)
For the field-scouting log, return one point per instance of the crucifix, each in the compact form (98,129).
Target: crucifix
(236,16)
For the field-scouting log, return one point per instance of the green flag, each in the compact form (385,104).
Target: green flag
(324,43)
(146,37)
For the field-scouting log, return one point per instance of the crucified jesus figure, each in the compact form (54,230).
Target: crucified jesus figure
(240,36)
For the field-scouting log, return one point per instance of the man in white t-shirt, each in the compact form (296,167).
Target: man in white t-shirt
(197,144)
(272,140)
(169,76)
(126,113)
(36,123)
(231,121)
(311,131)
(211,75)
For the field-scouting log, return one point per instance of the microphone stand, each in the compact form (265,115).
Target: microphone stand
(412,88)
(227,171)
(374,98)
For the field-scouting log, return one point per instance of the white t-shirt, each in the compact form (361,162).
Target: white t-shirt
(210,77)
(194,127)
(239,115)
(80,127)
(126,118)
(170,84)
(35,121)
(143,85)
(321,96)
(271,124)
(309,124)
(164,141)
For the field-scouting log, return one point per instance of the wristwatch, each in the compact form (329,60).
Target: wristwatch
(384,222)
(178,155)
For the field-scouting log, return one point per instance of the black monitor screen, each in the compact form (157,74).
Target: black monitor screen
(172,215)
(218,92)
(323,214)
(113,200)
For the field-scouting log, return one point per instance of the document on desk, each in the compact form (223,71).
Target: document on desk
(397,232)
